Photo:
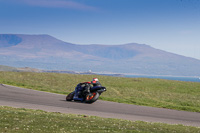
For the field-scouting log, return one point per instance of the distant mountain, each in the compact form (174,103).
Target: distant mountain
(9,40)
(47,52)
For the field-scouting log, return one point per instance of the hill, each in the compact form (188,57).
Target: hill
(49,53)
(22,69)
(7,68)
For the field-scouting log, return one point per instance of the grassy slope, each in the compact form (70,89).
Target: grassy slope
(140,91)
(7,68)
(27,121)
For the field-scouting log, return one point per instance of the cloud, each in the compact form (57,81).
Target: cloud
(58,4)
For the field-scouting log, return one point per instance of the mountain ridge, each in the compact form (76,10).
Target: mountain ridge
(47,52)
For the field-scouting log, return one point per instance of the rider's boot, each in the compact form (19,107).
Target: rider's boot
(76,98)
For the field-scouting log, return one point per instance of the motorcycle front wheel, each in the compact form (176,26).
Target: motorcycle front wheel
(70,96)
(92,97)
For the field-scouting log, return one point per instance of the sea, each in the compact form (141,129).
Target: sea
(189,79)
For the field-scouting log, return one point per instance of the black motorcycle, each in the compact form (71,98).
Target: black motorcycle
(85,95)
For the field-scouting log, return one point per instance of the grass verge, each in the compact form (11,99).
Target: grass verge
(162,93)
(37,121)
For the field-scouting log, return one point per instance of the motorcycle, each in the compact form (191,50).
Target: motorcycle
(85,95)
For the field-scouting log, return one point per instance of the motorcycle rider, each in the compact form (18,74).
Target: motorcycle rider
(85,86)
(95,82)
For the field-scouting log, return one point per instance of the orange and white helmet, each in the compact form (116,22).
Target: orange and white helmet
(95,79)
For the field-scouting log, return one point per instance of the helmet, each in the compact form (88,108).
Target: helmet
(95,79)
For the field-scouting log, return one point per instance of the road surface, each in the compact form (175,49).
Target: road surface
(32,99)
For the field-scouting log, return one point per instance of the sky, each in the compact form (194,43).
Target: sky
(170,25)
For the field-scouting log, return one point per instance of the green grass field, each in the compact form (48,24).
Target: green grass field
(36,121)
(177,95)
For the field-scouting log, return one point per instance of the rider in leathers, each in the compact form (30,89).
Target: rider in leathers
(87,85)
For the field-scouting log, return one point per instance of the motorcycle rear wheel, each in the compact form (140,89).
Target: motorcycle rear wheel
(70,96)
(92,97)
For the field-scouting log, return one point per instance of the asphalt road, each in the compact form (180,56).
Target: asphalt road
(26,98)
